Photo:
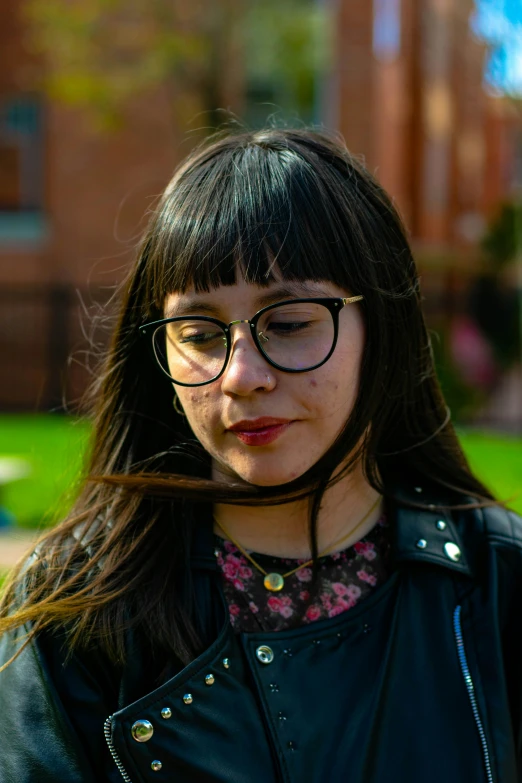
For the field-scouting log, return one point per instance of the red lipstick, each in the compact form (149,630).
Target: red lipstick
(259,432)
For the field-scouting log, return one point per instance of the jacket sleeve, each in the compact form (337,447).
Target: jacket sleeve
(504,529)
(52,712)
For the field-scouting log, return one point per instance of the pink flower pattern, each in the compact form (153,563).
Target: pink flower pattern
(343,580)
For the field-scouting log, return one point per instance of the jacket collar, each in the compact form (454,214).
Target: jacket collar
(430,534)
(427,535)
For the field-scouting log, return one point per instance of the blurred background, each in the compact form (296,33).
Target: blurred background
(99,99)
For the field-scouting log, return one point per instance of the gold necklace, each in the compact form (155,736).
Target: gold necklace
(276,582)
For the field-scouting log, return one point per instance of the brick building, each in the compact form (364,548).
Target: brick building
(405,89)
(410,97)
(72,204)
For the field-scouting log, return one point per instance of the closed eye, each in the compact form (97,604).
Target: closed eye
(202,338)
(288,327)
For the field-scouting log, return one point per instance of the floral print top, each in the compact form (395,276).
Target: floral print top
(343,580)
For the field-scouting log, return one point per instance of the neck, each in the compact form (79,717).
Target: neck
(282,531)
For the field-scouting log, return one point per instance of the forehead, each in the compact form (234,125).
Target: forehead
(249,296)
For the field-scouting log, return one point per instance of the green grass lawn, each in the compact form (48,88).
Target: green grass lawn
(497,461)
(54,446)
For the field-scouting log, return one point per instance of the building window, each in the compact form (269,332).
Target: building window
(288,49)
(21,167)
(387,29)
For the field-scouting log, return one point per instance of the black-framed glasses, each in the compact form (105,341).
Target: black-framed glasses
(297,335)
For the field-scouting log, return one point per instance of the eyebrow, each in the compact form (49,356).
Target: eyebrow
(195,306)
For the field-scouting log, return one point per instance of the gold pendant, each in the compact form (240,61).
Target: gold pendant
(274,582)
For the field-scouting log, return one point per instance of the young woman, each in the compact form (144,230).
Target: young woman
(280,567)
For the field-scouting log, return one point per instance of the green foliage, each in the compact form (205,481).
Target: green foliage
(463,400)
(494,301)
(100,54)
(495,306)
(503,240)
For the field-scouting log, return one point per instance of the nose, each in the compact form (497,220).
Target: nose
(246,370)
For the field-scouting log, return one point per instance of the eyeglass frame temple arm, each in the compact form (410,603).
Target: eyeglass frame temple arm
(345,300)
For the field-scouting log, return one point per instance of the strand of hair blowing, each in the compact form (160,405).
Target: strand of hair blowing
(121,558)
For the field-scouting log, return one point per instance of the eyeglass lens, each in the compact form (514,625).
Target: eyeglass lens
(295,336)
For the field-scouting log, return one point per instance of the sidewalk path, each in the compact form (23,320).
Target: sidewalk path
(13,545)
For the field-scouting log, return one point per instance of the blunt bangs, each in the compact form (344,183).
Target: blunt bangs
(265,207)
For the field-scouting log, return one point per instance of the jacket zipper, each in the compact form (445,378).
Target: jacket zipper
(107,730)
(461,651)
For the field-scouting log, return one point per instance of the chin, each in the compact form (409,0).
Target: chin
(268,478)
(265,471)
(268,482)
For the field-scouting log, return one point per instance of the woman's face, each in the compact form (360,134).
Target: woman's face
(259,424)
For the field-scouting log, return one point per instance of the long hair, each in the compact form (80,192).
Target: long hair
(298,202)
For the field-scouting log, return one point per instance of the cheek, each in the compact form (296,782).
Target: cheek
(192,400)
(200,408)
(333,391)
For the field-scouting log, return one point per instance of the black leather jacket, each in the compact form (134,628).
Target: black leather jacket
(420,683)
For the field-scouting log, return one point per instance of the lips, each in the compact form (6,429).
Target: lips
(252,425)
(259,432)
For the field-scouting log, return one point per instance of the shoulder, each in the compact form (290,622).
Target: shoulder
(62,697)
(492,541)
(30,646)
(502,527)
(433,526)
(57,705)
(492,527)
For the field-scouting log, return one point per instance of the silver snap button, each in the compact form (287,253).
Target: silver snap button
(226,663)
(187,698)
(452,551)
(142,730)
(166,713)
(265,654)
(210,679)
(421,543)
(441,525)
(156,766)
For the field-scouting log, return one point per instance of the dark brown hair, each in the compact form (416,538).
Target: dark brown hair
(239,205)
